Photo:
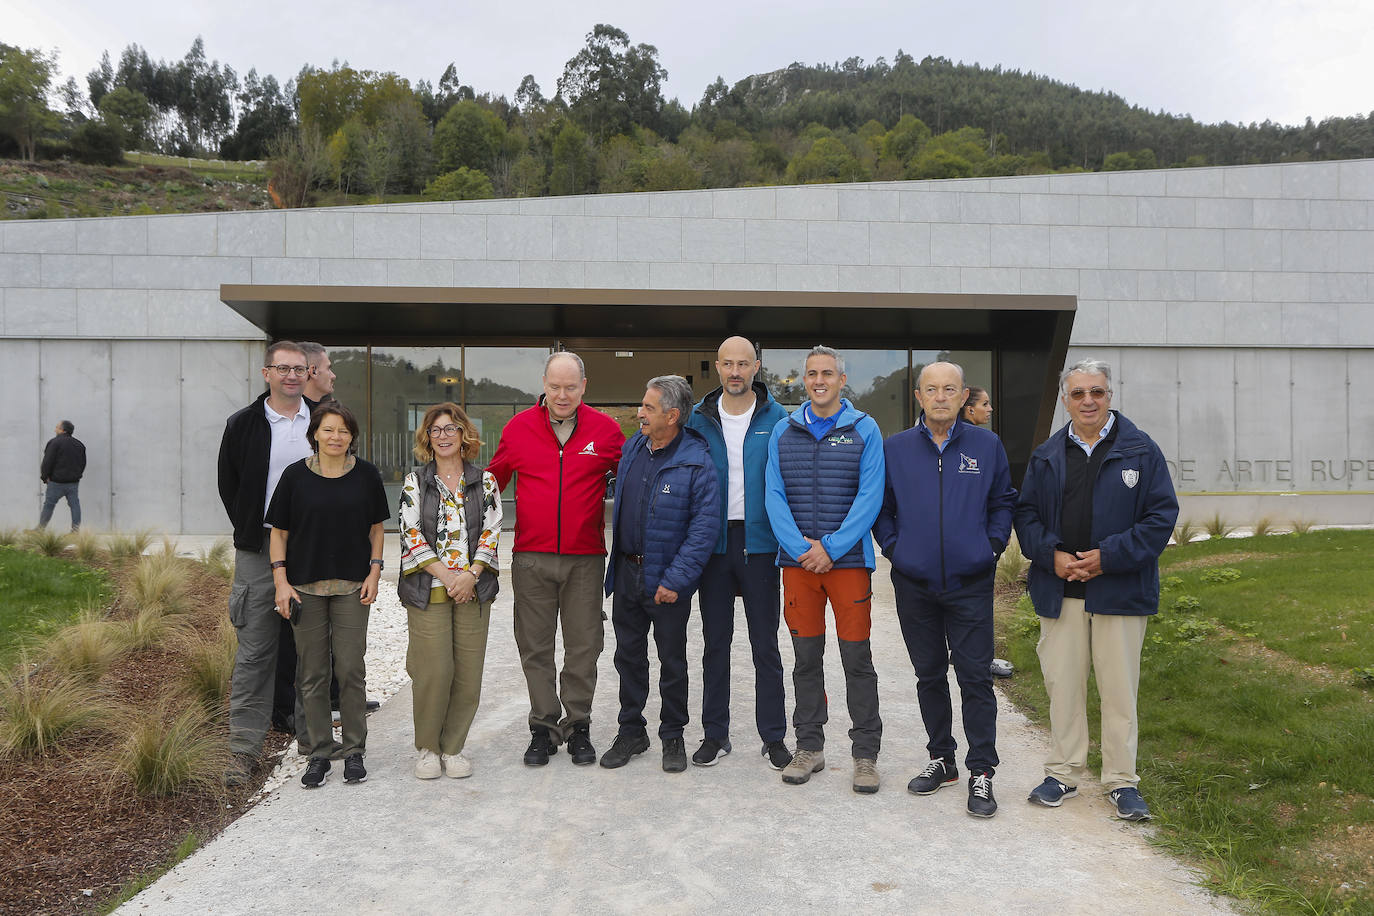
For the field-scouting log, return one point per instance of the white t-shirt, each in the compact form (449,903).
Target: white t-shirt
(289,445)
(735,430)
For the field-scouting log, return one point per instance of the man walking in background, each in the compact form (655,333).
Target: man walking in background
(64,461)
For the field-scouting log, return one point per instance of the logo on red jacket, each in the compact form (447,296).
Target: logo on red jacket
(588,449)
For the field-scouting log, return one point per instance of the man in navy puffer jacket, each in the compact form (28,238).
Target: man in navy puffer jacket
(666,523)
(946,518)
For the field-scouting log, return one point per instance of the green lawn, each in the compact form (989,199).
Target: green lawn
(42,594)
(1255,733)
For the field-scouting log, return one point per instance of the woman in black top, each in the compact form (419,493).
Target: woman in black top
(326,550)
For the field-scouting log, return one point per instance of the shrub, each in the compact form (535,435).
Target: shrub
(9,537)
(97,143)
(166,754)
(1364,676)
(1012,566)
(1217,527)
(35,715)
(128,546)
(45,541)
(1300,526)
(1169,583)
(1194,630)
(159,583)
(1186,604)
(460,184)
(151,627)
(86,545)
(1221,574)
(210,667)
(86,648)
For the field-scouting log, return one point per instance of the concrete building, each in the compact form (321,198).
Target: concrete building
(1236,304)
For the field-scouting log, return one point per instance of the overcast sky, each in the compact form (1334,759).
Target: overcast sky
(1218,60)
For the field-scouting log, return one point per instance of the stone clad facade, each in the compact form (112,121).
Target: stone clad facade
(1236,303)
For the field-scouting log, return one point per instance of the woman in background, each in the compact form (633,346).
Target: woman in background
(450,518)
(978,407)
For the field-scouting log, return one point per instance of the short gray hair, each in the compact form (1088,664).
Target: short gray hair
(1087,367)
(674,391)
(581,369)
(313,351)
(67,426)
(822,350)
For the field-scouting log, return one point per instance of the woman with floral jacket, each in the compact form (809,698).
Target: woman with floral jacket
(450,519)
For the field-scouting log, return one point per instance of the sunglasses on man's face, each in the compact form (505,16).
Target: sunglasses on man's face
(1097,393)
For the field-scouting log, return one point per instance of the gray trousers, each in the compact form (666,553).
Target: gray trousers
(861,693)
(252,611)
(550,587)
(331,639)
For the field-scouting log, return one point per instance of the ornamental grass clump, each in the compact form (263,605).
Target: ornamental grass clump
(127,546)
(1263,527)
(45,541)
(218,558)
(160,583)
(1185,532)
(37,713)
(87,648)
(150,628)
(9,537)
(166,753)
(87,546)
(210,667)
(1217,526)
(1012,566)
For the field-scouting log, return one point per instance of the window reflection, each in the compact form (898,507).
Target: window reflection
(876,381)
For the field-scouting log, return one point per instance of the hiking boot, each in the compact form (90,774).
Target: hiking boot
(316,773)
(625,747)
(1051,793)
(456,766)
(981,802)
(937,774)
(428,766)
(710,752)
(865,775)
(674,755)
(1129,805)
(803,764)
(354,771)
(580,745)
(777,753)
(239,771)
(541,747)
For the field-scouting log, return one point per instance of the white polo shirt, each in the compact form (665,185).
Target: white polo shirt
(289,445)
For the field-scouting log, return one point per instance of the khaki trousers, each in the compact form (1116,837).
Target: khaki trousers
(331,637)
(550,587)
(1111,644)
(448,647)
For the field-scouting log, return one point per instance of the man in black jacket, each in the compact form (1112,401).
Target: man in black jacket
(64,461)
(259,442)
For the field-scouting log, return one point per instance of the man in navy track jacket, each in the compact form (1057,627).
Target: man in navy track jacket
(1097,509)
(946,518)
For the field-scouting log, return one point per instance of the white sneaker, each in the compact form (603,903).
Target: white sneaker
(456,766)
(428,767)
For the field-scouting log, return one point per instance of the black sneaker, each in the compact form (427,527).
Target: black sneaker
(710,752)
(937,774)
(981,802)
(316,773)
(674,755)
(580,745)
(625,747)
(372,705)
(541,747)
(354,771)
(777,753)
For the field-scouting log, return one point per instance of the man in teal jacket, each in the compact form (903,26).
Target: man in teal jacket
(737,419)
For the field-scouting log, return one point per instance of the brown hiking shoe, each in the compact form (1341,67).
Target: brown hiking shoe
(803,764)
(865,775)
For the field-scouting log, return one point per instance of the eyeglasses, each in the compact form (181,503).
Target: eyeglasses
(291,370)
(436,432)
(1097,393)
(949,391)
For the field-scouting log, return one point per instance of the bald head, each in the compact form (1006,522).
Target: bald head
(941,392)
(737,363)
(565,381)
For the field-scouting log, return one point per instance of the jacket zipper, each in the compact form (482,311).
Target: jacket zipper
(558,519)
(940,480)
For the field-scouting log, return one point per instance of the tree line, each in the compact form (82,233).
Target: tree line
(607,126)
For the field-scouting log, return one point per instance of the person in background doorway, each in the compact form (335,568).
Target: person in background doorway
(64,461)
(978,408)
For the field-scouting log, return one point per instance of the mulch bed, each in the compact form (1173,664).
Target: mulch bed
(73,831)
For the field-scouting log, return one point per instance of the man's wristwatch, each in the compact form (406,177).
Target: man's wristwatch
(377,563)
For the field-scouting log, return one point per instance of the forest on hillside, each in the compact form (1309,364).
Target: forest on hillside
(607,126)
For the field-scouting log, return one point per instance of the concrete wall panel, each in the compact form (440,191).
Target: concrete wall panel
(146,476)
(40,312)
(117,235)
(453,236)
(185,234)
(1205,420)
(1148,391)
(1321,433)
(220,378)
(837,242)
(39,236)
(1263,419)
(112,312)
(263,235)
(592,238)
(22,425)
(74,384)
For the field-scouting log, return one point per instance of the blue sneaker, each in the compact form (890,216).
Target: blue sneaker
(1051,793)
(1129,805)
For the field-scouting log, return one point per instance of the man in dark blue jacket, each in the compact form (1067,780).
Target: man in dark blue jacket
(737,419)
(1096,511)
(64,461)
(666,524)
(945,520)
(825,485)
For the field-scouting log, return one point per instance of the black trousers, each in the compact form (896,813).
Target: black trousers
(633,614)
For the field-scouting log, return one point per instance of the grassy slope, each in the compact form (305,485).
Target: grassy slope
(1254,734)
(41,595)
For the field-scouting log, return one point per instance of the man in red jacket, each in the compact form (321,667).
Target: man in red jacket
(562,451)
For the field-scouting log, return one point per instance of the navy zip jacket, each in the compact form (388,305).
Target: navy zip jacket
(829,489)
(1134,511)
(682,523)
(946,516)
(758,534)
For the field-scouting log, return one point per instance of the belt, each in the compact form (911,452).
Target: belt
(635,558)
(736,523)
